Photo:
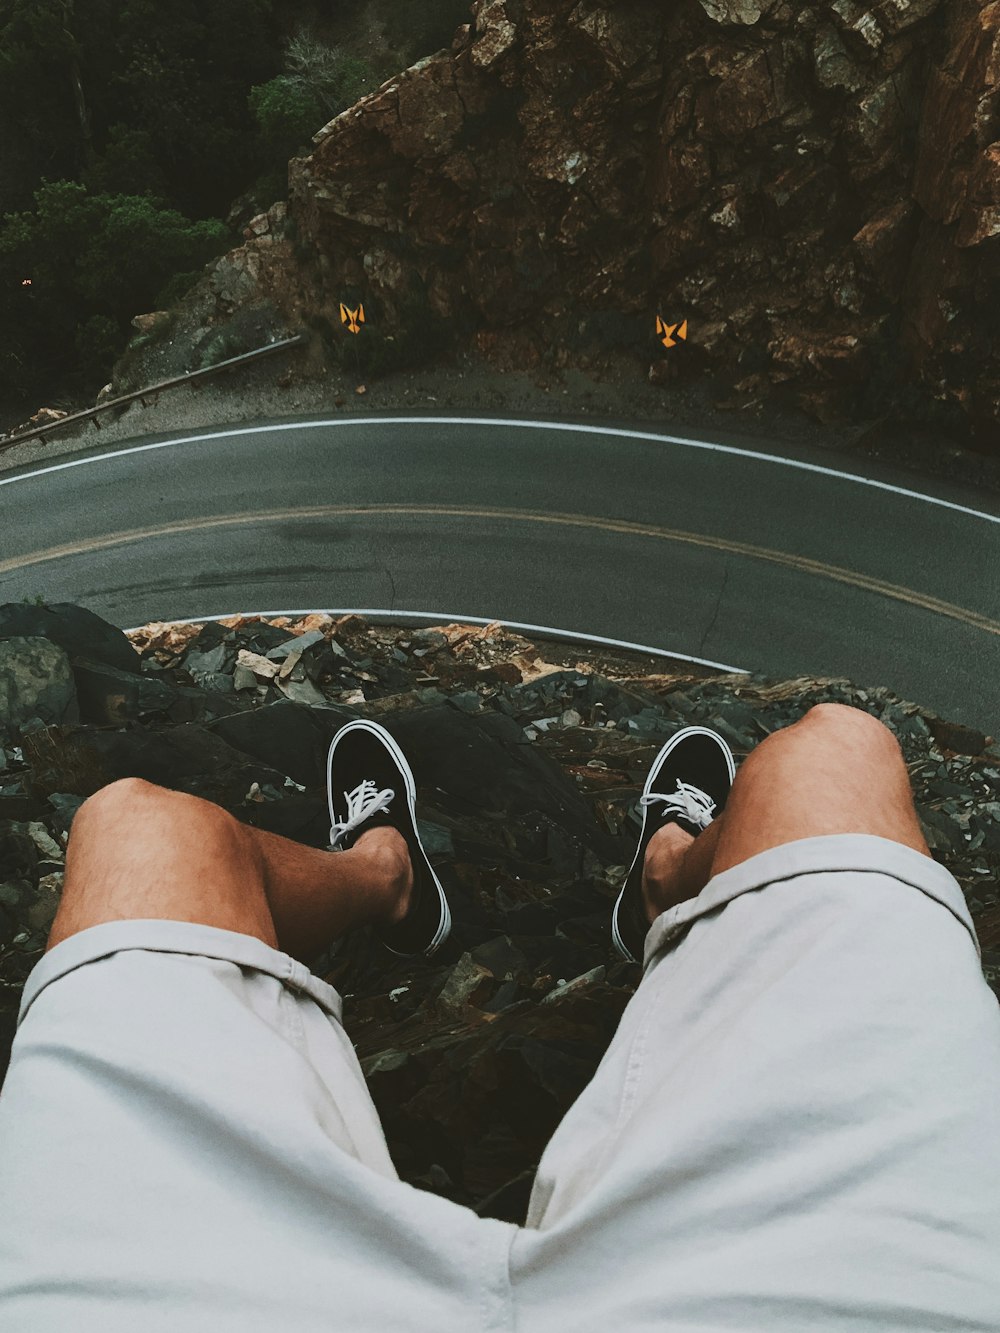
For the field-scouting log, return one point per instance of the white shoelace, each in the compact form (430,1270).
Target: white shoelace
(687,800)
(363,802)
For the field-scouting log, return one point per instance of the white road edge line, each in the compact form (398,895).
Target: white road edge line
(450,617)
(532,425)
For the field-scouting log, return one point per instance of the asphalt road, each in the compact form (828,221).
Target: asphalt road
(782,565)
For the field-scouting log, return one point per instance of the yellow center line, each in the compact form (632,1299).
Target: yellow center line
(802,564)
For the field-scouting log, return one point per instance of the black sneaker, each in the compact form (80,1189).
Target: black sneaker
(369,784)
(688,784)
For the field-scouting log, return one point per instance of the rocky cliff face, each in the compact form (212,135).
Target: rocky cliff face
(814,187)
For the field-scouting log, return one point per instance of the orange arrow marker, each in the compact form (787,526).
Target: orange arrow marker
(352,318)
(665,332)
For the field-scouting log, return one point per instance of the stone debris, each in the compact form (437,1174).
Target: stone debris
(529,759)
(580,983)
(257,665)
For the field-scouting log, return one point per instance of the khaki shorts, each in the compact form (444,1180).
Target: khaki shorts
(796,1127)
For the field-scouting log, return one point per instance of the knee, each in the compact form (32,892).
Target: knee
(830,727)
(844,724)
(134,800)
(135,808)
(123,796)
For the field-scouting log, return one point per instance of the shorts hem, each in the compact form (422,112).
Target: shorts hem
(832,853)
(180,937)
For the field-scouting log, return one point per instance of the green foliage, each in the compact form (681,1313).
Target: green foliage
(134,95)
(93,262)
(319,82)
(271,186)
(35,129)
(287,113)
(122,122)
(223,344)
(175,289)
(129,164)
(334,77)
(124,125)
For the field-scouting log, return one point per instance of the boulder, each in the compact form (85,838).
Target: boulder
(45,416)
(736,11)
(156,321)
(36,681)
(108,696)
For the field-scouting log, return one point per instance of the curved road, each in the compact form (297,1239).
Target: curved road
(787,565)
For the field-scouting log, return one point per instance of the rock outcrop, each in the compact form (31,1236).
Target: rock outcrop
(814,187)
(529,761)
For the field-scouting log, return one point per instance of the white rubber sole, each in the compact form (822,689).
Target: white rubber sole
(375,729)
(650,783)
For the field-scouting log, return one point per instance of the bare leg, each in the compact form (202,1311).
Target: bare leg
(142,851)
(838,770)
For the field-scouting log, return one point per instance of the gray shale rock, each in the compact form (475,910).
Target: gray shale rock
(36,681)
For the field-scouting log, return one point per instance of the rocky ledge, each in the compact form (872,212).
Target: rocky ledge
(529,758)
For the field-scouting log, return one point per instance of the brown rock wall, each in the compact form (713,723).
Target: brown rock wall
(815,187)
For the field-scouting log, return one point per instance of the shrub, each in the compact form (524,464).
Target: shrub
(89,257)
(288,114)
(99,343)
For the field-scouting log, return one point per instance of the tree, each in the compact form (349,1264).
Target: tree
(335,78)
(319,82)
(93,261)
(287,113)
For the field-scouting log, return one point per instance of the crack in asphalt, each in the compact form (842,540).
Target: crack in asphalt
(718,606)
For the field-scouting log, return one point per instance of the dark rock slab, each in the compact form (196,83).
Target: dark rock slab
(79,632)
(188,758)
(192,703)
(502,958)
(483,762)
(19,806)
(64,806)
(292,738)
(18,853)
(960,740)
(300,816)
(109,696)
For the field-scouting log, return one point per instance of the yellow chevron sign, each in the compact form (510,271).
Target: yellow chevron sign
(665,332)
(352,318)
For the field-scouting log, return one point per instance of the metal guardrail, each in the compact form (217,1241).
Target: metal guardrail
(187,378)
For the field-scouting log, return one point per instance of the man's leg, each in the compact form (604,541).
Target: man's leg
(838,770)
(791,1128)
(186,1138)
(139,851)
